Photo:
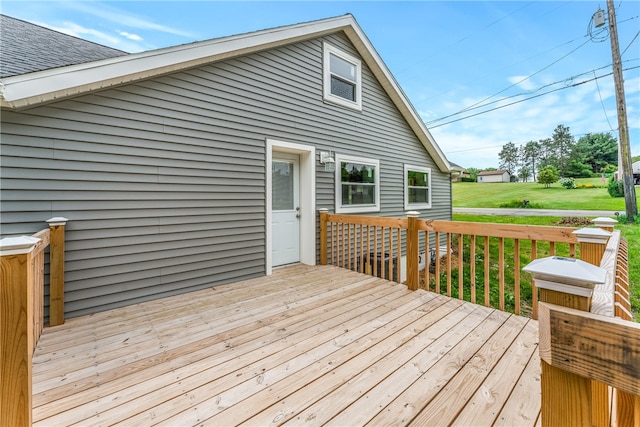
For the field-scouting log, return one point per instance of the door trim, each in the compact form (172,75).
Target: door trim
(307,198)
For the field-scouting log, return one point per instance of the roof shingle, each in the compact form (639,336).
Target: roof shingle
(26,47)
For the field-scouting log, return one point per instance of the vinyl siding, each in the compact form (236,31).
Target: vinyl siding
(164,180)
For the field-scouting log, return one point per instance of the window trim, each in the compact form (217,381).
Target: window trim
(411,206)
(329,50)
(339,208)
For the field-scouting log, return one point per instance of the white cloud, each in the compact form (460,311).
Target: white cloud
(125,18)
(79,31)
(522,82)
(476,141)
(130,36)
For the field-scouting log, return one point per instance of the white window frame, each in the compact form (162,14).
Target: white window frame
(413,206)
(329,50)
(338,185)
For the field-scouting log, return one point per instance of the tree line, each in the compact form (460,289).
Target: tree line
(591,155)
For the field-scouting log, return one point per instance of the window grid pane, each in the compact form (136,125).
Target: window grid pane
(417,187)
(360,194)
(343,89)
(342,68)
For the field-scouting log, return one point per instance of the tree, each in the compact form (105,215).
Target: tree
(596,150)
(509,157)
(548,176)
(563,143)
(529,155)
(473,173)
(524,173)
(547,155)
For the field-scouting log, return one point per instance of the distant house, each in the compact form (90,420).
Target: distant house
(203,164)
(458,172)
(494,176)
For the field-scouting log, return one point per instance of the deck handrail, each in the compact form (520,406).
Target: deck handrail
(355,242)
(590,349)
(22,310)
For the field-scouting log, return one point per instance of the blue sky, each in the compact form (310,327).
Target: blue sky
(446,55)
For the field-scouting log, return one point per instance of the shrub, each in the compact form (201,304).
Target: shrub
(465,179)
(524,203)
(615,188)
(568,183)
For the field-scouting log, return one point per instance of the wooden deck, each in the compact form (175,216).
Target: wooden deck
(305,346)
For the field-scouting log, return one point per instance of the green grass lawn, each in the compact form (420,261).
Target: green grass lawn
(492,195)
(631,232)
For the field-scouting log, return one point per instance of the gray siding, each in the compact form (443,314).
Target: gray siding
(163,180)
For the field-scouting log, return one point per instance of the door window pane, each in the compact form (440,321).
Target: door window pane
(282,186)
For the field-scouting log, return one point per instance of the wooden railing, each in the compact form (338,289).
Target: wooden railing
(22,312)
(590,360)
(579,349)
(374,245)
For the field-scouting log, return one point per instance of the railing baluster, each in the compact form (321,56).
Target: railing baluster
(437,262)
(367,255)
(501,271)
(472,265)
(382,248)
(399,252)
(391,254)
(572,250)
(552,248)
(486,271)
(427,260)
(448,264)
(375,251)
(534,289)
(460,266)
(360,264)
(516,273)
(349,259)
(333,239)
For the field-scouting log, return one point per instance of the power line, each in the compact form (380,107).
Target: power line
(630,43)
(522,93)
(524,79)
(527,99)
(604,110)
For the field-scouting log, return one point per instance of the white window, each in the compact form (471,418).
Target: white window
(357,184)
(342,78)
(417,187)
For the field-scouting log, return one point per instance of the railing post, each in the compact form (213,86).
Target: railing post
(324,212)
(593,242)
(16,330)
(566,397)
(413,249)
(56,271)
(607,224)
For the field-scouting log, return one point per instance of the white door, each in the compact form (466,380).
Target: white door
(285,209)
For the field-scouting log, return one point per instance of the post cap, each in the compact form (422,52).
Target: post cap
(323,210)
(592,235)
(59,220)
(604,222)
(567,275)
(17,245)
(413,213)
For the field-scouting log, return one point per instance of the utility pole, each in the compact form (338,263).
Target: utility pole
(626,173)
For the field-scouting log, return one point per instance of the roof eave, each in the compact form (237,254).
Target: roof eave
(23,91)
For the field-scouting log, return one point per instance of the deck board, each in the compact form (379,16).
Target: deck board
(306,346)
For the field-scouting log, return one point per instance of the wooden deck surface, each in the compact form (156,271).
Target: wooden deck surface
(305,346)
